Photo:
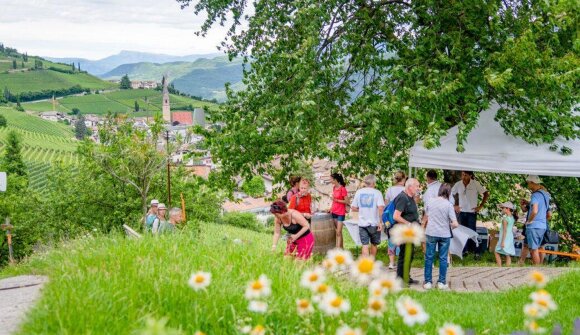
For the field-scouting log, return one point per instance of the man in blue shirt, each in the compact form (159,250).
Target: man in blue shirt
(539,213)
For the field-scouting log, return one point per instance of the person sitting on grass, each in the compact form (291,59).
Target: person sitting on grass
(505,244)
(302,201)
(301,241)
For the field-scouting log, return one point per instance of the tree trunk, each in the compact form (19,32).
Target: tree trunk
(144,204)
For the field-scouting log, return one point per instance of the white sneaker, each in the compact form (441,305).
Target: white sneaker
(442,286)
(427,286)
(392,266)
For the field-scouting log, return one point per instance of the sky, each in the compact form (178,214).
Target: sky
(95,29)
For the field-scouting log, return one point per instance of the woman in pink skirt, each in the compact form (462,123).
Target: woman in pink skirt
(300,243)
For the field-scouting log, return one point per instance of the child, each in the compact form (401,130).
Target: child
(505,244)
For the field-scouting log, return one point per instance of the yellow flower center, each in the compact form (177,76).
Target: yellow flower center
(322,288)
(409,233)
(199,333)
(533,311)
(376,305)
(340,259)
(543,292)
(257,285)
(412,310)
(449,331)
(378,292)
(313,277)
(542,302)
(538,277)
(303,303)
(199,279)
(387,284)
(366,265)
(336,302)
(533,325)
(350,332)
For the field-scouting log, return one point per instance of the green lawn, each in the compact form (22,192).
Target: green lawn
(112,285)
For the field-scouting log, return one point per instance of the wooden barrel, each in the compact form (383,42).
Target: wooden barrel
(324,233)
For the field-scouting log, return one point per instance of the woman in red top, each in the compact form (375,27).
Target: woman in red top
(339,203)
(302,201)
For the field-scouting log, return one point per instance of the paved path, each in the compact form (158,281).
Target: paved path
(17,296)
(477,279)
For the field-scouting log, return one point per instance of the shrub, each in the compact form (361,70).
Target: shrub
(243,220)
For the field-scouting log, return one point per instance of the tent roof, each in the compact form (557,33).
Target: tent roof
(488,148)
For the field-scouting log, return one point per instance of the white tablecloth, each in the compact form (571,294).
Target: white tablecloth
(461,235)
(352,227)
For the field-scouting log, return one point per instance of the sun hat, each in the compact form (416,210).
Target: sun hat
(534,179)
(154,202)
(507,204)
(161,206)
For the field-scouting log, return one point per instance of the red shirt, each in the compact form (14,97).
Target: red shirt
(304,203)
(339,193)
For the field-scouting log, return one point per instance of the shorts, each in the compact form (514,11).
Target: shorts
(535,236)
(393,249)
(369,234)
(337,217)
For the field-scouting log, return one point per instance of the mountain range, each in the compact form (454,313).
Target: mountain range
(203,76)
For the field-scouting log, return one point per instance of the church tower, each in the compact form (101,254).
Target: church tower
(166,110)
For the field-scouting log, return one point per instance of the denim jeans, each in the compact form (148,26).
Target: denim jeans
(443,245)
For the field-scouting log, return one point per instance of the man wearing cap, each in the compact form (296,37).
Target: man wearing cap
(466,193)
(538,215)
(151,215)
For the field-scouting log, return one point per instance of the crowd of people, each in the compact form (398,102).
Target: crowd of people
(157,221)
(445,207)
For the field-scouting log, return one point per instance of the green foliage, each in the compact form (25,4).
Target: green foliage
(37,81)
(565,193)
(81,130)
(254,187)
(125,83)
(12,162)
(360,82)
(136,106)
(3,122)
(243,220)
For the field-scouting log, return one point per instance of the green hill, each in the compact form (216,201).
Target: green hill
(122,101)
(204,77)
(35,74)
(43,142)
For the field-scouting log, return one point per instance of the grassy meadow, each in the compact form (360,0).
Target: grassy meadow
(113,285)
(39,80)
(120,101)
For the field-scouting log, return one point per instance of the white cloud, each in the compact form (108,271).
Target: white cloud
(98,28)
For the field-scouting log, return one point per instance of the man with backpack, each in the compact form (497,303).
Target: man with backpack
(538,216)
(406,212)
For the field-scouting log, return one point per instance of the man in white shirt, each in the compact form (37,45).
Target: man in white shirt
(369,203)
(466,193)
(433,186)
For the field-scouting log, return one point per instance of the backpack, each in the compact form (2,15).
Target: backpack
(387,217)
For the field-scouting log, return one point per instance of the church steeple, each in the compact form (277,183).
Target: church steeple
(166,110)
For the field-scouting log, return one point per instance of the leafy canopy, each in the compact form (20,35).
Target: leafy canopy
(360,81)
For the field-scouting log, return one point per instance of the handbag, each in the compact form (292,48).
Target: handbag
(550,236)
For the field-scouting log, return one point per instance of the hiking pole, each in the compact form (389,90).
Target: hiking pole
(8,227)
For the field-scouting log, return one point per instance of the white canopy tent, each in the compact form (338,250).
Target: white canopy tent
(488,148)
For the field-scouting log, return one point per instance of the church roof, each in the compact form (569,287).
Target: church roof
(185,118)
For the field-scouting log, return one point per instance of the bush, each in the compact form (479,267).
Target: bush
(243,220)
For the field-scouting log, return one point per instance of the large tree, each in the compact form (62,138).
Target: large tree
(359,81)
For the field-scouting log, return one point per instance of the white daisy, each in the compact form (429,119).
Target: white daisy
(332,304)
(259,288)
(544,300)
(304,306)
(364,269)
(320,291)
(339,259)
(258,306)
(312,278)
(535,311)
(346,330)
(376,307)
(385,284)
(411,311)
(402,234)
(533,327)
(538,278)
(451,329)
(258,330)
(200,280)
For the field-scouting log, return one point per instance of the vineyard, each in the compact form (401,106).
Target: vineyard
(43,143)
(122,101)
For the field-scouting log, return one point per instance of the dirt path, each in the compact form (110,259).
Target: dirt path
(17,296)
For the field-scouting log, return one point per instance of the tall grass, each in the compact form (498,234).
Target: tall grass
(112,285)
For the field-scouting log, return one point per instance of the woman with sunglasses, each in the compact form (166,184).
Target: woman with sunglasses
(301,241)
